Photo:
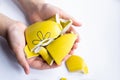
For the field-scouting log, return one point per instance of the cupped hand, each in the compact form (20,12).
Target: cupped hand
(16,40)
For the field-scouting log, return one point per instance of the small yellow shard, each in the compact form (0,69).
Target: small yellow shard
(44,54)
(63,78)
(85,70)
(56,19)
(29,54)
(75,63)
(65,23)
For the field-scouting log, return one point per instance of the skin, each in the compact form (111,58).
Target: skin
(35,10)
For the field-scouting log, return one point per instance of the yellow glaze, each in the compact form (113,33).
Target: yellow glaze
(43,52)
(60,47)
(65,23)
(75,63)
(41,30)
(63,78)
(29,54)
(52,29)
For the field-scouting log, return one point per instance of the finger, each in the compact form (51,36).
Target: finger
(16,41)
(22,60)
(78,38)
(46,66)
(66,16)
(71,52)
(75,46)
(71,29)
(66,57)
(34,18)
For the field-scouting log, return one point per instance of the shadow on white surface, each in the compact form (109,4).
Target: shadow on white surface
(8,63)
(8,54)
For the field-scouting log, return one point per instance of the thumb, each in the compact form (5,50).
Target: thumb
(19,53)
(16,40)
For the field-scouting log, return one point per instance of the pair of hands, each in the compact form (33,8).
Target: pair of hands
(16,38)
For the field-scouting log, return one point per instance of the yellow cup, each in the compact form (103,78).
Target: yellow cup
(39,34)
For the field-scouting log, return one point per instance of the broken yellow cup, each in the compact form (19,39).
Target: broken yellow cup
(49,40)
(28,53)
(76,64)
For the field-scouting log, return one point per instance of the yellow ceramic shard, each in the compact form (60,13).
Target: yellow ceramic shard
(75,63)
(44,54)
(40,31)
(29,54)
(56,19)
(85,70)
(60,47)
(65,23)
(63,78)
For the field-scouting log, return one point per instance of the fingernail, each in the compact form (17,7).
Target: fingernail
(27,70)
(77,23)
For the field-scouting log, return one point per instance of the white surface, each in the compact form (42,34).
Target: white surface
(99,46)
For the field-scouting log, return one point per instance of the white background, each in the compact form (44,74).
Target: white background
(99,45)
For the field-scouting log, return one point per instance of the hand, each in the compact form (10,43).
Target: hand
(14,33)
(16,40)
